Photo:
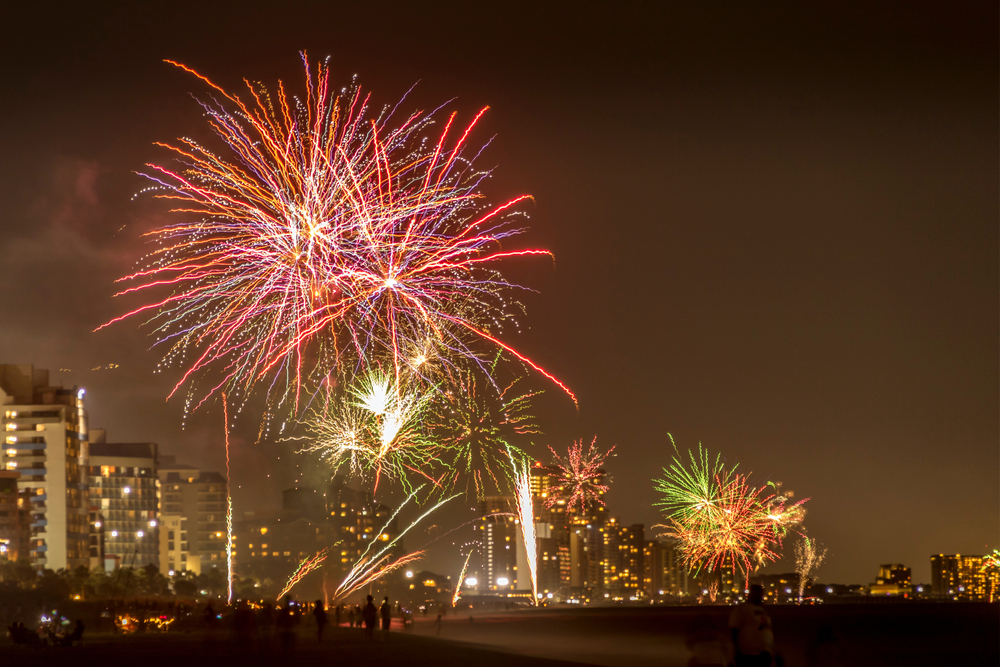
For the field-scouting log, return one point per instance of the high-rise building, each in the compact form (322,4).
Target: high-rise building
(354,521)
(499,537)
(125,487)
(664,575)
(45,440)
(197,501)
(174,549)
(571,543)
(15,521)
(272,545)
(958,577)
(623,559)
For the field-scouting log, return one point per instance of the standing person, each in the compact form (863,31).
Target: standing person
(320,615)
(753,634)
(386,612)
(370,614)
(336,615)
(437,624)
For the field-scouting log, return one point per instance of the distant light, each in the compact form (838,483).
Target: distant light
(471,581)
(503,581)
(140,534)
(153,523)
(661,592)
(549,595)
(114,533)
(80,392)
(171,573)
(127,489)
(409,574)
(788,590)
(97,524)
(920,589)
(829,590)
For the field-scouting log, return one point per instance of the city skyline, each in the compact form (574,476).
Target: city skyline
(789,259)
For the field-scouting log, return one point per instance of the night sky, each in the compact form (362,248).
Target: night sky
(775,230)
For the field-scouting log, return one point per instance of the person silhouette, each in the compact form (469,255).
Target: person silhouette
(385,611)
(752,632)
(319,613)
(370,615)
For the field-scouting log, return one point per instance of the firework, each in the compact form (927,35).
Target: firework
(691,489)
(376,562)
(323,230)
(307,565)
(477,429)
(719,518)
(461,578)
(374,428)
(728,531)
(580,477)
(229,506)
(526,518)
(808,557)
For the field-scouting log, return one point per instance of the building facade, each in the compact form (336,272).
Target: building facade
(46,441)
(198,500)
(15,517)
(893,579)
(498,537)
(124,486)
(967,578)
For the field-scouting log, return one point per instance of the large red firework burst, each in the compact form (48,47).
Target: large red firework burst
(322,229)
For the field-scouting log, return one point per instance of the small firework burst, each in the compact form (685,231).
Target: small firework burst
(580,478)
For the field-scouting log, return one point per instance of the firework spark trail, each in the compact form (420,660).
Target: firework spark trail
(579,482)
(307,565)
(373,565)
(461,578)
(229,506)
(526,517)
(324,232)
(808,557)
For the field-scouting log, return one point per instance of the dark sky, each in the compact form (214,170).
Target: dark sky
(775,229)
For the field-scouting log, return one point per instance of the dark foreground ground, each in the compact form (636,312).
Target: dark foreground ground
(866,635)
(341,646)
(912,634)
